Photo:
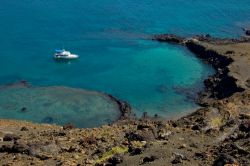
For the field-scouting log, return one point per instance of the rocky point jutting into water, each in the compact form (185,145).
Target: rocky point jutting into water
(216,134)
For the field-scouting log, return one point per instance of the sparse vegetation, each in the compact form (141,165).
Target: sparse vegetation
(216,122)
(112,152)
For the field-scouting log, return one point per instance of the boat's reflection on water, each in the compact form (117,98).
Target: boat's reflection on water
(65,61)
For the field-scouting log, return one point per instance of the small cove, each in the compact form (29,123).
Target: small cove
(156,80)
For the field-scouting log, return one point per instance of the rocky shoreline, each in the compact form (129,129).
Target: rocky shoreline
(217,134)
(124,107)
(221,84)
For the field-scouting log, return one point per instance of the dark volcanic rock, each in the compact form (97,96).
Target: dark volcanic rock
(247,32)
(124,107)
(135,150)
(245,126)
(200,156)
(178,158)
(143,126)
(24,129)
(149,159)
(116,159)
(68,126)
(224,159)
(169,38)
(248,83)
(20,147)
(54,133)
(87,141)
(134,137)
(220,85)
(226,87)
(217,60)
(142,135)
(6,148)
(230,52)
(10,137)
(196,127)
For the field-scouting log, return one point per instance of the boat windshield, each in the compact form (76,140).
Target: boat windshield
(59,51)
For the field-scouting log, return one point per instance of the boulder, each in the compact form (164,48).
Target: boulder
(24,129)
(178,158)
(6,148)
(132,136)
(68,126)
(116,159)
(20,147)
(10,137)
(200,156)
(149,159)
(245,126)
(196,127)
(224,159)
(135,150)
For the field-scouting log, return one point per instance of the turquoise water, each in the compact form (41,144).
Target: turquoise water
(60,105)
(110,37)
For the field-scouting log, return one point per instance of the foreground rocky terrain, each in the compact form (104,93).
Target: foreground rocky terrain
(216,134)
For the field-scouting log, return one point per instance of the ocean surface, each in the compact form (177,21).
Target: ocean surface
(116,56)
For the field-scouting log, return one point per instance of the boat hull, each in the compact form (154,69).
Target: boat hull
(66,57)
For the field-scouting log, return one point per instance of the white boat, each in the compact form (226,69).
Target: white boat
(63,54)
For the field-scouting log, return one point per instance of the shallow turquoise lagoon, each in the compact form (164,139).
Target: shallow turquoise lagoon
(59,105)
(111,38)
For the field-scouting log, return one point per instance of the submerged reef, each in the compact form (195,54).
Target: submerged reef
(60,105)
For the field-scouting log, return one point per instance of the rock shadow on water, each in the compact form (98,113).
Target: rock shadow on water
(191,93)
(23,110)
(47,119)
(161,88)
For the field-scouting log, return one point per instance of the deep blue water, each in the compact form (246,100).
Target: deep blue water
(110,37)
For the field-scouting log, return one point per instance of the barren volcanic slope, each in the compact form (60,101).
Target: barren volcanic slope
(217,134)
